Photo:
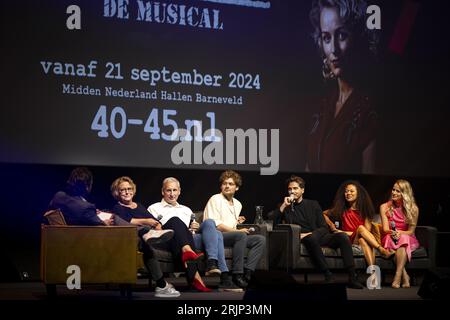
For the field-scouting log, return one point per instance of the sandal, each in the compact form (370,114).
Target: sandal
(405,280)
(396,282)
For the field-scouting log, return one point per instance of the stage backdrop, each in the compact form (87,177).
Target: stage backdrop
(113,82)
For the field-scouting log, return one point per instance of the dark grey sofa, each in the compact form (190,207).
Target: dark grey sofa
(287,252)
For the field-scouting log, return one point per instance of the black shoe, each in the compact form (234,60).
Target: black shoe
(229,286)
(247,275)
(353,282)
(211,268)
(239,280)
(328,276)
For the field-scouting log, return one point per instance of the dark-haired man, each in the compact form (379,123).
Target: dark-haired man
(314,231)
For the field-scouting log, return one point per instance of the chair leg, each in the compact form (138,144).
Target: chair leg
(126,291)
(51,290)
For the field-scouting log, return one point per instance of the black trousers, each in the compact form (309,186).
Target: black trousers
(323,237)
(182,236)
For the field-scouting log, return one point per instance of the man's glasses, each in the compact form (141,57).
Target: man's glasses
(125,190)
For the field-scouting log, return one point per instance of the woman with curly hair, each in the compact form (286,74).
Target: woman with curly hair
(399,218)
(353,209)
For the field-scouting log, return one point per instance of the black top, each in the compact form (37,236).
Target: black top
(76,210)
(140,212)
(307,214)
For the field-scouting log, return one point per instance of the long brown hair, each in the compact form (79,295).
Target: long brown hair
(363,201)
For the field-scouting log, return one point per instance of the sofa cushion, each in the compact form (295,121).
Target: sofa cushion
(358,252)
(420,252)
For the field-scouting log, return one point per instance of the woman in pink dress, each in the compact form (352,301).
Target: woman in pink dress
(399,218)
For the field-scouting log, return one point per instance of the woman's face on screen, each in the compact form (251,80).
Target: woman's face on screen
(335,38)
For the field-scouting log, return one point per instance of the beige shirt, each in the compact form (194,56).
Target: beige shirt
(219,209)
(168,211)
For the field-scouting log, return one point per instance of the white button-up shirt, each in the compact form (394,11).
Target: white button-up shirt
(168,211)
(221,211)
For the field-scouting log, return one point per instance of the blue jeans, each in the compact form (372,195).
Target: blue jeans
(211,240)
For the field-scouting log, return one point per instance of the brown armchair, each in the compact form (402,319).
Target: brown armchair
(105,255)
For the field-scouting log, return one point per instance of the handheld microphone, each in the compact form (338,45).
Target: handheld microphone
(291,200)
(192,220)
(158,218)
(394,229)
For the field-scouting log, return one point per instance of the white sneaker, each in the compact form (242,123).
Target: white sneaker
(158,236)
(167,292)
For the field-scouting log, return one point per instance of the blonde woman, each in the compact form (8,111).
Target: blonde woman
(399,218)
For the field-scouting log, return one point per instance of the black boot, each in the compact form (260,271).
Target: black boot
(353,281)
(328,276)
(238,279)
(227,285)
(247,274)
(211,268)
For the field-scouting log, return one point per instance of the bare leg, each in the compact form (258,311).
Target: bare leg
(405,279)
(400,260)
(369,253)
(371,241)
(186,248)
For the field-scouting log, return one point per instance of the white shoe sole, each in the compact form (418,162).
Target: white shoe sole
(166,236)
(213,273)
(167,295)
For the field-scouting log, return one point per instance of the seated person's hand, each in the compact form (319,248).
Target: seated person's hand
(110,221)
(245,230)
(241,219)
(154,223)
(302,235)
(194,226)
(395,235)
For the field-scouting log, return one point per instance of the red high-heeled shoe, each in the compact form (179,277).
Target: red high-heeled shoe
(191,256)
(199,286)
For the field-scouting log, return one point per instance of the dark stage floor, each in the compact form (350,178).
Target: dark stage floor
(314,290)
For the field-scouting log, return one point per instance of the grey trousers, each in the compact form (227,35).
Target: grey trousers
(240,241)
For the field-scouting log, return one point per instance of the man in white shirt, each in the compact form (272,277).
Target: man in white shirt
(207,236)
(225,210)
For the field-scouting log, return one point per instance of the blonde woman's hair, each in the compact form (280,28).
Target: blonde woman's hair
(409,203)
(115,186)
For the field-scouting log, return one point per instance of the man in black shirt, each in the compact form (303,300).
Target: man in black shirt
(314,231)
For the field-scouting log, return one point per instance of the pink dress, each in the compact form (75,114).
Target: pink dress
(410,242)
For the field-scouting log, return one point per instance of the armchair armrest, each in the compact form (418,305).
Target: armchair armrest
(427,237)
(104,254)
(259,228)
(293,248)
